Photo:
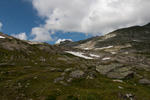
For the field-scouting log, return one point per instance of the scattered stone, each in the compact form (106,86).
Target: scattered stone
(6,64)
(139,76)
(120,87)
(106,58)
(120,81)
(59,79)
(77,74)
(62,59)
(62,74)
(35,77)
(23,95)
(89,77)
(28,83)
(42,59)
(56,70)
(83,66)
(69,80)
(27,67)
(143,66)
(121,73)
(134,84)
(2,72)
(144,81)
(126,53)
(113,53)
(19,85)
(127,96)
(53,69)
(68,70)
(63,83)
(104,69)
(59,70)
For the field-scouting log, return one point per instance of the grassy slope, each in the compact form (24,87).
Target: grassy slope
(37,82)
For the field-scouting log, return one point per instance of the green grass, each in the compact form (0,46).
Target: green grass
(100,88)
(41,80)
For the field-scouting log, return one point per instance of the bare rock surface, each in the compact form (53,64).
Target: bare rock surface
(77,74)
(144,81)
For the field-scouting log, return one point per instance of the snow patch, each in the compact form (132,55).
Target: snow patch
(93,55)
(62,40)
(33,42)
(107,58)
(108,47)
(79,54)
(86,48)
(1,37)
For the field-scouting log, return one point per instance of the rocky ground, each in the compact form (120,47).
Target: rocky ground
(112,67)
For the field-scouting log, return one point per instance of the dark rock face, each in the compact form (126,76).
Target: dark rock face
(115,71)
(121,75)
(104,69)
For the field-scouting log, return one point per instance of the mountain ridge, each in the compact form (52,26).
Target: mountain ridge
(115,66)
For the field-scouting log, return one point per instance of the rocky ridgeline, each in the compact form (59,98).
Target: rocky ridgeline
(121,57)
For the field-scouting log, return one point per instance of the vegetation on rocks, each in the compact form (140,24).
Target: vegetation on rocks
(39,71)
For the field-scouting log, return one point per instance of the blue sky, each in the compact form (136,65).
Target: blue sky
(18,16)
(50,20)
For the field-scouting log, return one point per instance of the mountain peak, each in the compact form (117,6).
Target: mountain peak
(147,25)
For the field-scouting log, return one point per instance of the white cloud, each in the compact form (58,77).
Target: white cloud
(1,25)
(62,40)
(89,16)
(21,36)
(41,34)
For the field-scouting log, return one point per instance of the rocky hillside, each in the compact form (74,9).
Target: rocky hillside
(135,36)
(115,66)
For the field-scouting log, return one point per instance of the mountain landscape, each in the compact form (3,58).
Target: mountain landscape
(115,66)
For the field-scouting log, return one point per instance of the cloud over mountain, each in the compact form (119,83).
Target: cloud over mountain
(89,16)
(21,36)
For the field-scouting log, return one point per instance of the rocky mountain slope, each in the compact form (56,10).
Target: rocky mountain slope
(135,35)
(115,66)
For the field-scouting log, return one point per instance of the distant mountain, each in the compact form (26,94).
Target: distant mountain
(135,36)
(115,66)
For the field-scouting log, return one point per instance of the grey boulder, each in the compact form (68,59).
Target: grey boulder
(77,74)
(144,81)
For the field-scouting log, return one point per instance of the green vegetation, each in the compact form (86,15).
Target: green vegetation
(42,71)
(37,82)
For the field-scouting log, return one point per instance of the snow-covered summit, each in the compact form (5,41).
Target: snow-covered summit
(62,40)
